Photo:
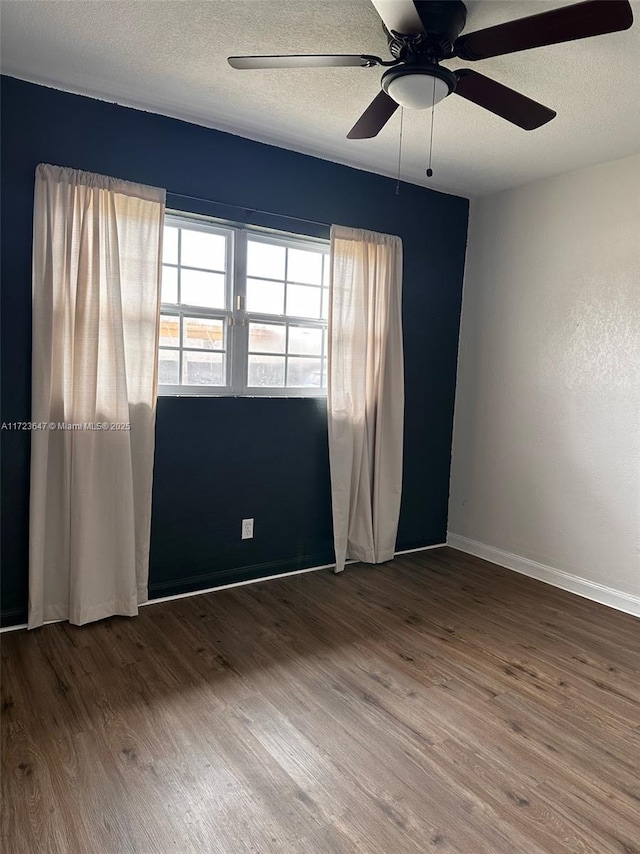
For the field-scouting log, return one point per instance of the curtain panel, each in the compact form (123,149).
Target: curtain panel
(365,393)
(97,261)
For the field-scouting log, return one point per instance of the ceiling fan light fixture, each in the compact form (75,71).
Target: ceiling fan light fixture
(418,88)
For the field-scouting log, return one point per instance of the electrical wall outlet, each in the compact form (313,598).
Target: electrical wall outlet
(247,529)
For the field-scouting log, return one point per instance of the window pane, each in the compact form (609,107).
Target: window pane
(304,372)
(325,303)
(267,337)
(304,340)
(326,270)
(169,330)
(202,368)
(169,284)
(168,367)
(206,289)
(265,260)
(325,368)
(265,297)
(202,249)
(203,333)
(265,371)
(304,266)
(303,301)
(170,245)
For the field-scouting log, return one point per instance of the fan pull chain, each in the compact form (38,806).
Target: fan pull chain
(433,109)
(400,152)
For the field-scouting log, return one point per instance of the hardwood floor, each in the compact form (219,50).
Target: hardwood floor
(437,703)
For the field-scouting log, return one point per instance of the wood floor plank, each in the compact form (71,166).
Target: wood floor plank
(609,830)
(513,798)
(435,703)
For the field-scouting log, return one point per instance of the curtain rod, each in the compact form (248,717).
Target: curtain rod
(250,210)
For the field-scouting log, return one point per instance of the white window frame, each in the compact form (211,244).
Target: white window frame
(236,319)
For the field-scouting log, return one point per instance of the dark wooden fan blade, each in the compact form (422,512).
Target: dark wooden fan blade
(499,99)
(374,117)
(302,61)
(591,18)
(399,15)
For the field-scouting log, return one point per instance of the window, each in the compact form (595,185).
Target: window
(243,311)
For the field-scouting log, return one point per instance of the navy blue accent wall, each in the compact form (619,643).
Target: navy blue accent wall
(219,460)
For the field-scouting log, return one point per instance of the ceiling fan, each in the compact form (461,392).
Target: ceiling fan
(422,33)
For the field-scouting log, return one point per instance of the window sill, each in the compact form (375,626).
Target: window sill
(258,396)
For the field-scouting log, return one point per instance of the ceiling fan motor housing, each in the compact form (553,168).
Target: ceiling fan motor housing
(443,21)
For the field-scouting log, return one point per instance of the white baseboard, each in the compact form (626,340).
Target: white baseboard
(244,583)
(419,549)
(236,584)
(626,602)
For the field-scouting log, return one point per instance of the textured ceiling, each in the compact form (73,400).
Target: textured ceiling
(170,57)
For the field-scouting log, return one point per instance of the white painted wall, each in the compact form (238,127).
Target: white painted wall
(546,449)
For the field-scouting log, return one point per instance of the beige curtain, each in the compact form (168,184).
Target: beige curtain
(366,393)
(97,245)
